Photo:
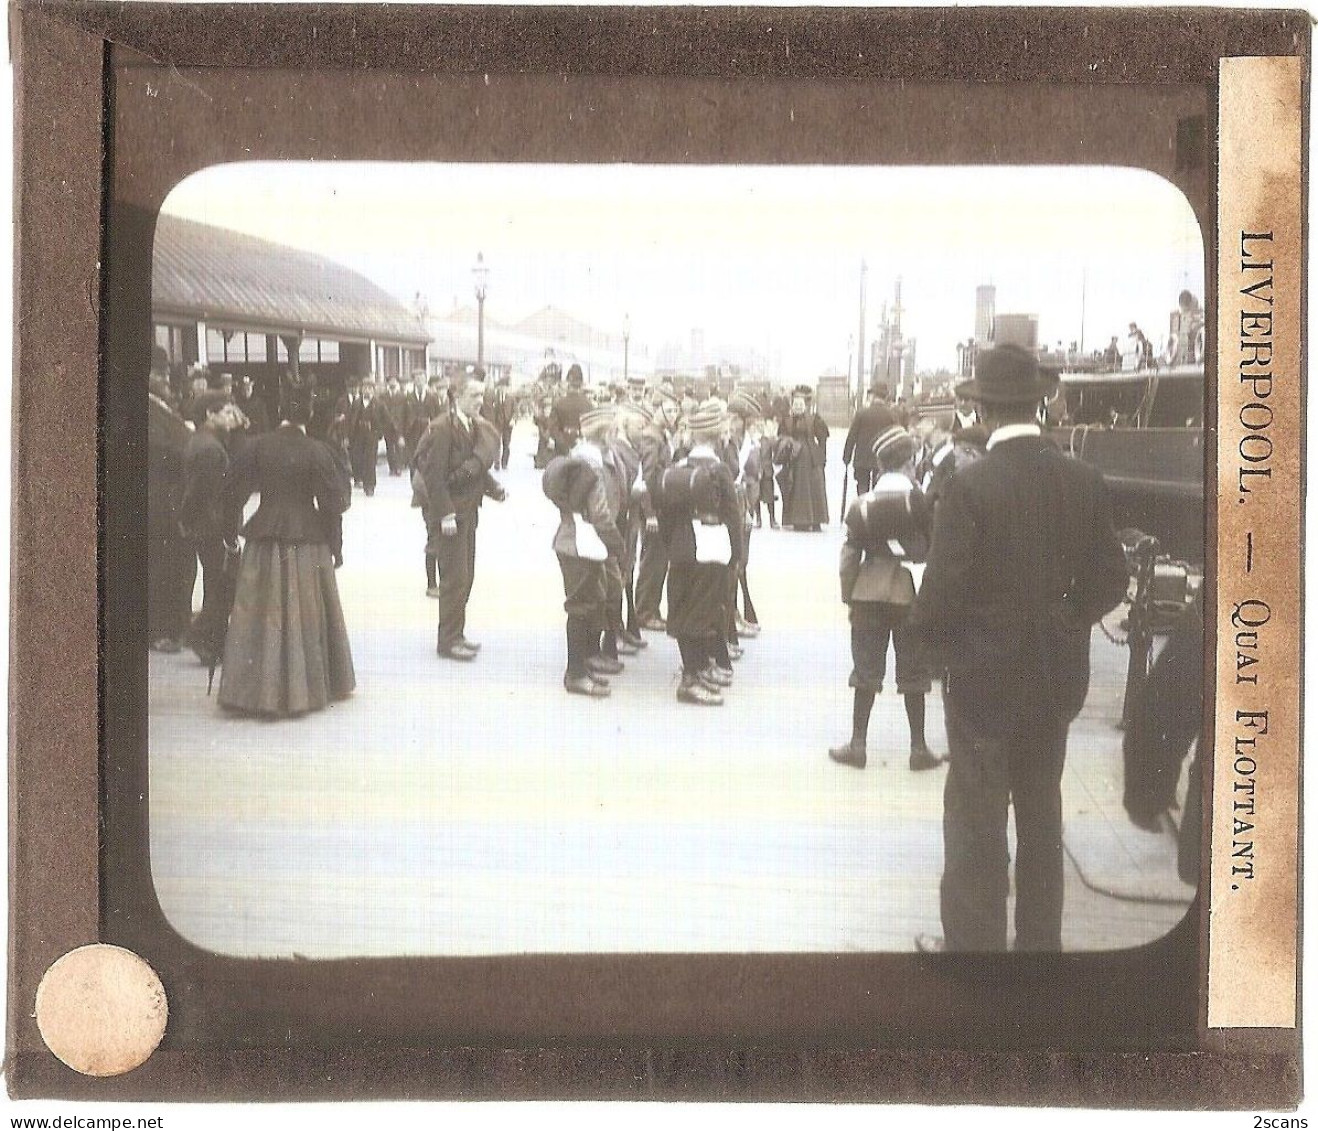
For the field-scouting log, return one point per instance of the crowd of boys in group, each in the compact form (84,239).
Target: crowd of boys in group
(658,491)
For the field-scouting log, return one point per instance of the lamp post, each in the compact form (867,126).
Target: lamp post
(481,274)
(626,340)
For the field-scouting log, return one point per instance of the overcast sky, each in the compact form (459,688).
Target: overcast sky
(766,257)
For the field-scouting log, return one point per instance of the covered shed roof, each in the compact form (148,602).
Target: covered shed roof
(226,277)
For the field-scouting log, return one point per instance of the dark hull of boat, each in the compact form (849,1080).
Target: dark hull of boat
(1156,476)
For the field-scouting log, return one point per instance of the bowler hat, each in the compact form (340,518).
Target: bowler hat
(1007,374)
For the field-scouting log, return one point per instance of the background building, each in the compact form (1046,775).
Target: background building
(244,305)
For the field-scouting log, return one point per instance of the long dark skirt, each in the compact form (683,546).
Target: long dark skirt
(699,599)
(287,650)
(806,502)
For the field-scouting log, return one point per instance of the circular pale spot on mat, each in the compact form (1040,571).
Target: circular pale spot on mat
(101,1010)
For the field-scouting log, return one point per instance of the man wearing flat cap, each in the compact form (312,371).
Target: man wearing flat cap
(1024,560)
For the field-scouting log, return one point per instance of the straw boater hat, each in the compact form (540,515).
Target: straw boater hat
(745,406)
(594,418)
(1007,374)
(893,448)
(707,420)
(644,411)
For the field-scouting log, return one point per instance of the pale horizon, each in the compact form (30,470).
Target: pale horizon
(753,257)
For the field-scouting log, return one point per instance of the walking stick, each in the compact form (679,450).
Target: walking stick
(842,515)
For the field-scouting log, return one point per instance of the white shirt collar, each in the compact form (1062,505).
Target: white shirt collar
(1013,432)
(705,450)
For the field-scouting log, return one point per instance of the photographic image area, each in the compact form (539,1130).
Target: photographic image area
(572,559)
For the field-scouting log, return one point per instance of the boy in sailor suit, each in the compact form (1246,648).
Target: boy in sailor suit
(586,539)
(886,526)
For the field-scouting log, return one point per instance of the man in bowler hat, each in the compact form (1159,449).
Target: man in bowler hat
(1024,560)
(869,422)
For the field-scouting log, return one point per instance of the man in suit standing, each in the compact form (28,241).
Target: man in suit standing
(391,418)
(499,409)
(1024,560)
(171,560)
(456,479)
(418,409)
(364,426)
(205,522)
(871,421)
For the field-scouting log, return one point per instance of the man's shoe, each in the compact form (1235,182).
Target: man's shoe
(930,944)
(735,652)
(635,639)
(849,754)
(714,677)
(470,645)
(696,692)
(602,665)
(654,624)
(625,647)
(433,591)
(922,758)
(456,652)
(584,685)
(747,628)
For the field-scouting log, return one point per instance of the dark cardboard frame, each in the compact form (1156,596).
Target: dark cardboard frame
(683,85)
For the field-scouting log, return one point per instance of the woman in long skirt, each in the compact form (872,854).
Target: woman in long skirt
(287,649)
(805,502)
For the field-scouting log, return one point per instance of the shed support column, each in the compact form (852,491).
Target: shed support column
(293,344)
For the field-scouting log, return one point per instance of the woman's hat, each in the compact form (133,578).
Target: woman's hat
(893,448)
(803,391)
(1007,374)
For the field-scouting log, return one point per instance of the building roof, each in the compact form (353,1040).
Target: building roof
(550,324)
(226,277)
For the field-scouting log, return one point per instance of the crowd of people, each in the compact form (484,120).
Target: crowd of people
(658,494)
